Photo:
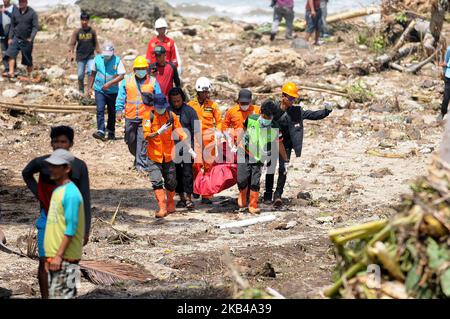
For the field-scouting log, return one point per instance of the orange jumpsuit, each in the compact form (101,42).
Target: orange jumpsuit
(235,118)
(210,118)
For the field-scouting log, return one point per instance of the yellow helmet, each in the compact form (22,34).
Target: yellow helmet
(290,89)
(140,62)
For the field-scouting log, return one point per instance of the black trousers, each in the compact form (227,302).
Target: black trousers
(249,173)
(444,106)
(281,182)
(185,178)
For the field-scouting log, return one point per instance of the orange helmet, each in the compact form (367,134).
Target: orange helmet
(290,89)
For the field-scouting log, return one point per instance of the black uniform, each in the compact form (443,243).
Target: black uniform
(185,176)
(291,125)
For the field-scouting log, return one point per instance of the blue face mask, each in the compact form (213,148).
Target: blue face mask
(160,111)
(264,122)
(141,73)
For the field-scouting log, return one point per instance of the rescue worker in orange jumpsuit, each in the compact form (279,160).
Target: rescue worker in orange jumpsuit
(211,125)
(159,127)
(236,116)
(135,98)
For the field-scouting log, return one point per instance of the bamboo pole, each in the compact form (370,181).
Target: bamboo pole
(56,107)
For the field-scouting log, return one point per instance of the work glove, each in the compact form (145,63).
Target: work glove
(219,135)
(286,168)
(164,128)
(193,154)
(328,106)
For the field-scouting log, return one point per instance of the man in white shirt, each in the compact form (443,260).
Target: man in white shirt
(5,24)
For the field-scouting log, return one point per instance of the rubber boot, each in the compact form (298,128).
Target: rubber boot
(170,202)
(253,207)
(242,199)
(81,86)
(160,196)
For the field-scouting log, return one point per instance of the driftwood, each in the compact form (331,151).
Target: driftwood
(414,68)
(345,16)
(403,37)
(47,108)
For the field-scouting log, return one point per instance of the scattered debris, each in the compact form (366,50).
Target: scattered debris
(236,230)
(248,222)
(380,173)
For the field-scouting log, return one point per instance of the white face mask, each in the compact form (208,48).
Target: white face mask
(245,107)
(160,111)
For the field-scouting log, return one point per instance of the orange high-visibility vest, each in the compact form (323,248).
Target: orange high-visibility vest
(134,107)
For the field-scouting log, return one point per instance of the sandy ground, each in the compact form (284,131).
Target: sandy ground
(184,251)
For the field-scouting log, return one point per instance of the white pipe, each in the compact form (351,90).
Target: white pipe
(248,222)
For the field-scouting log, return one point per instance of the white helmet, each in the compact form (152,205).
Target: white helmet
(161,23)
(203,84)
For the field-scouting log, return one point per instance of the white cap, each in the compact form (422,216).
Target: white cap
(161,23)
(60,157)
(108,49)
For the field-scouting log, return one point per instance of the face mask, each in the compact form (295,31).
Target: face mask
(160,111)
(141,73)
(264,122)
(245,107)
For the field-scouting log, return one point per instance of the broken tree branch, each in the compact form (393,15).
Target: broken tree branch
(414,68)
(404,35)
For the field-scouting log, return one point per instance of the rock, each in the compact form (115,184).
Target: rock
(249,27)
(427,84)
(5,293)
(286,226)
(325,219)
(36,88)
(247,79)
(189,31)
(426,150)
(299,43)
(342,103)
(55,72)
(268,60)
(197,48)
(304,195)
(122,24)
(10,93)
(397,135)
(380,173)
(329,168)
(136,10)
(72,93)
(175,35)
(42,37)
(275,80)
(268,271)
(226,36)
(193,70)
(236,231)
(414,133)
(363,47)
(251,36)
(73,77)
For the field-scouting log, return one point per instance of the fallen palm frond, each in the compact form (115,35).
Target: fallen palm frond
(107,273)
(410,250)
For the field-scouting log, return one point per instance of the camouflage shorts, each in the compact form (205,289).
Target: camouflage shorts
(63,283)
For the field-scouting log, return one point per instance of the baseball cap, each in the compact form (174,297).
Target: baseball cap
(160,50)
(160,101)
(108,49)
(84,16)
(245,96)
(60,157)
